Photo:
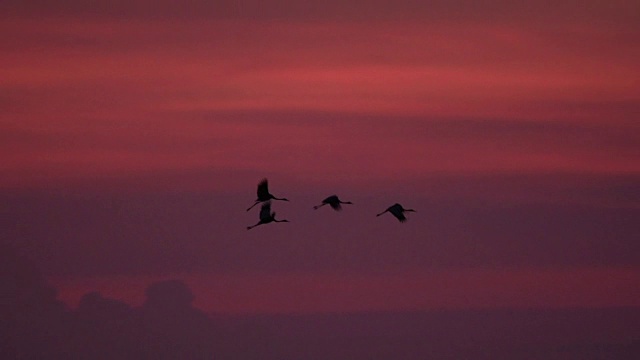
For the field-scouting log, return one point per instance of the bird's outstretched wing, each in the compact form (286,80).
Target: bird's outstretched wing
(265,211)
(263,189)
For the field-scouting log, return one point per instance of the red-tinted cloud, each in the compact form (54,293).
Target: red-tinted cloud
(115,95)
(407,290)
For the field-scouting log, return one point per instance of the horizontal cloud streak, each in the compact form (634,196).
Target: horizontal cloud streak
(368,148)
(615,12)
(118,98)
(288,293)
(393,67)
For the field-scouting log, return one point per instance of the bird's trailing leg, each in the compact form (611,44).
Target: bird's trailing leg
(252,226)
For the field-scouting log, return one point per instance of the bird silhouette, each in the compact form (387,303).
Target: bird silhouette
(266,216)
(263,194)
(398,211)
(334,202)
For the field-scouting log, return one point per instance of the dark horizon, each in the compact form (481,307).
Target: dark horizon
(167,326)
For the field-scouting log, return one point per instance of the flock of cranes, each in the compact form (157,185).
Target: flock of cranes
(268,216)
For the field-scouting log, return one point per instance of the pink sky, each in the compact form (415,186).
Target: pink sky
(409,101)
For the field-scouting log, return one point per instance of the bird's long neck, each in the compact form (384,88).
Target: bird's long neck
(254,204)
(275,198)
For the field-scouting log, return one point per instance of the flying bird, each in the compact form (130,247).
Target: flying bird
(334,202)
(398,211)
(266,216)
(263,194)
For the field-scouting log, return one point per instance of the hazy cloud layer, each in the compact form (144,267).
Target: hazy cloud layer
(167,326)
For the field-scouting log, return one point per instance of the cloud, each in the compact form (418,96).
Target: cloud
(121,98)
(33,321)
(495,10)
(36,325)
(180,149)
(168,326)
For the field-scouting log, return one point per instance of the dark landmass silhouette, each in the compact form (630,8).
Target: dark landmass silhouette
(35,325)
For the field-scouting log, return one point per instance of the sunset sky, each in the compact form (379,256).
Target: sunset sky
(133,135)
